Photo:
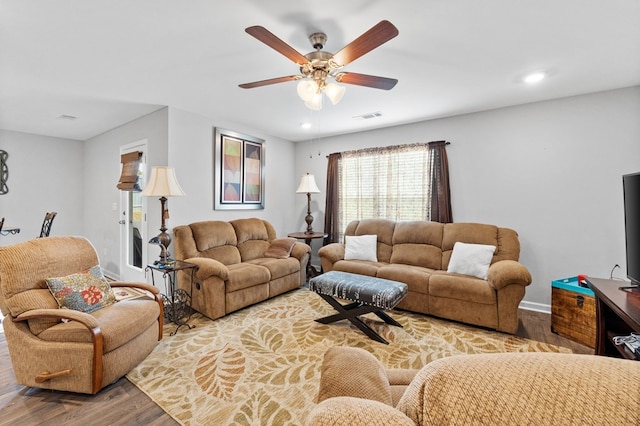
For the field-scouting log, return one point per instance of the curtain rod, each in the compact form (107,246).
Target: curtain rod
(390,146)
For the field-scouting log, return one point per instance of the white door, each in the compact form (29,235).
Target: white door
(133,223)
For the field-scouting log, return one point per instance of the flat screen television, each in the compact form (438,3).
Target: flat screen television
(631,191)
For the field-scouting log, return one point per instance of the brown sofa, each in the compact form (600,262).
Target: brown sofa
(486,389)
(233,270)
(417,253)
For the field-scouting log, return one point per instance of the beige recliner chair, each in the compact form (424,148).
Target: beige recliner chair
(487,389)
(66,349)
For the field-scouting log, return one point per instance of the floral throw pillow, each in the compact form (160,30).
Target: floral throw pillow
(86,291)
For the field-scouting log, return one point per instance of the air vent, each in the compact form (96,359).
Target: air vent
(368,116)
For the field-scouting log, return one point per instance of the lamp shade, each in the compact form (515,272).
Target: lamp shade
(334,92)
(306,89)
(163,183)
(315,103)
(308,185)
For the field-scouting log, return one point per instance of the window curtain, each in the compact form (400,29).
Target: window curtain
(129,177)
(439,189)
(388,169)
(331,223)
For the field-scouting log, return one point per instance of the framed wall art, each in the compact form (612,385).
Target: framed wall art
(238,171)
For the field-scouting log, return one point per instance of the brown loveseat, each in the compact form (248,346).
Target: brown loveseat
(417,253)
(486,389)
(233,268)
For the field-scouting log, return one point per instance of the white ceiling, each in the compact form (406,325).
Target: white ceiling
(108,62)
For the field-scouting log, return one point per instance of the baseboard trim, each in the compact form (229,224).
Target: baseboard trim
(537,307)
(110,275)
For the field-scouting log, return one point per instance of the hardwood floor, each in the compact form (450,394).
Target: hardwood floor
(124,404)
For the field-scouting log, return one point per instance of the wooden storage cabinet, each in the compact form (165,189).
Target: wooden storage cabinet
(573,311)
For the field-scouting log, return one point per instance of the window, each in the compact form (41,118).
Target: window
(389,182)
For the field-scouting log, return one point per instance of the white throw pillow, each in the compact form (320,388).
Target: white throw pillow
(471,259)
(362,247)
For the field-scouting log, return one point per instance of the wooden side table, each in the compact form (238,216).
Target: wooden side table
(307,237)
(177,304)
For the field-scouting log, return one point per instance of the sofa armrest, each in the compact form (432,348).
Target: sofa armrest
(330,254)
(83,318)
(338,377)
(352,411)
(299,250)
(507,272)
(209,267)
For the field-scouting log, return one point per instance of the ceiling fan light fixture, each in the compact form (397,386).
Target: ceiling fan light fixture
(307,89)
(334,92)
(315,103)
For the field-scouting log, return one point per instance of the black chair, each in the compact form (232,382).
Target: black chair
(46,225)
(1,223)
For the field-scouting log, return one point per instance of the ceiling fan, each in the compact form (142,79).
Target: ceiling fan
(316,67)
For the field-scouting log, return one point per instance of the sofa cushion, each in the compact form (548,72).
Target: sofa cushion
(85,291)
(361,247)
(461,287)
(471,259)
(244,275)
(114,322)
(214,239)
(253,237)
(418,243)
(280,248)
(361,267)
(383,228)
(416,277)
(278,267)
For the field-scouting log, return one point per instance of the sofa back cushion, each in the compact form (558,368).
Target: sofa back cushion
(505,240)
(25,268)
(254,237)
(382,228)
(213,239)
(418,243)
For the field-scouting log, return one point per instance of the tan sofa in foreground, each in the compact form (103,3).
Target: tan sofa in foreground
(418,253)
(488,389)
(240,263)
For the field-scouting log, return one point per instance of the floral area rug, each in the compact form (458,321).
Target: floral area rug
(261,365)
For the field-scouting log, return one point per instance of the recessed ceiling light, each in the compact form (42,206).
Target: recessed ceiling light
(368,115)
(534,77)
(305,125)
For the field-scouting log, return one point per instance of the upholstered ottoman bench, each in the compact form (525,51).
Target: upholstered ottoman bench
(369,294)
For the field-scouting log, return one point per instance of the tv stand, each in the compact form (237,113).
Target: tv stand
(630,288)
(617,314)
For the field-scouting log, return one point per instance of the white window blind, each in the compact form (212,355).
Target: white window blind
(389,182)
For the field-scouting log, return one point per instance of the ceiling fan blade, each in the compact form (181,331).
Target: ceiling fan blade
(379,34)
(366,80)
(270,81)
(271,40)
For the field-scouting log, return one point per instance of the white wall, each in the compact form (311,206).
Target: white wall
(101,172)
(45,174)
(191,153)
(550,170)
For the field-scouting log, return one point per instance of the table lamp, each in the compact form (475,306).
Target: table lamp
(163,183)
(308,186)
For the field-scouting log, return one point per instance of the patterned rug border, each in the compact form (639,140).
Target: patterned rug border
(261,365)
